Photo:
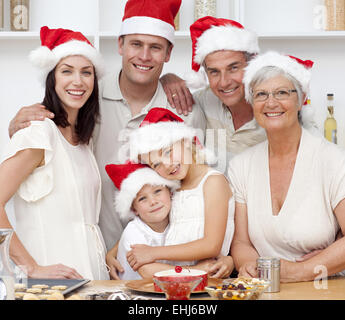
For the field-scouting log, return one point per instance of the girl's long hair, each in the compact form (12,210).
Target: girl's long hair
(88,115)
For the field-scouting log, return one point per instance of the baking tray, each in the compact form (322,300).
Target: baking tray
(72,284)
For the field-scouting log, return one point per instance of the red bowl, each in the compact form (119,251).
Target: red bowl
(184,275)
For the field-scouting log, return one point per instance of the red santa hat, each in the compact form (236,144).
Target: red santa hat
(162,128)
(211,34)
(60,43)
(297,68)
(129,178)
(153,17)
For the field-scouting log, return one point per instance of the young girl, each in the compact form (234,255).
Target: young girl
(51,170)
(201,221)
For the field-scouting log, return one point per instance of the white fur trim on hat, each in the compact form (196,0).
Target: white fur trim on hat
(218,38)
(132,185)
(275,59)
(156,136)
(148,25)
(46,59)
(225,38)
(196,80)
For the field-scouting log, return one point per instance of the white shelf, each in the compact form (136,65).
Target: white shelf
(22,35)
(304,35)
(26,35)
(19,35)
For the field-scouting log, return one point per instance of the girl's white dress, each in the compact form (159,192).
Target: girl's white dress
(187,218)
(57,206)
(306,221)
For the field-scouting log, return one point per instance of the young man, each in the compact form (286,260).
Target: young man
(145,43)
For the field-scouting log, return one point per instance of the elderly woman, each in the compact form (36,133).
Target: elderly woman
(290,189)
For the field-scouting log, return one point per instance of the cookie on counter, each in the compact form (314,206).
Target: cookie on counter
(19,287)
(19,294)
(61,288)
(50,291)
(40,286)
(30,296)
(56,296)
(34,290)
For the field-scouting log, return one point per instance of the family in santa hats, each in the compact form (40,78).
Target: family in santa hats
(223,57)
(127,94)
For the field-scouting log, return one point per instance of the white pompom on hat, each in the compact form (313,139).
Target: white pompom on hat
(129,178)
(160,129)
(211,34)
(60,43)
(153,17)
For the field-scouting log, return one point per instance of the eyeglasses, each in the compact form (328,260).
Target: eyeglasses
(280,94)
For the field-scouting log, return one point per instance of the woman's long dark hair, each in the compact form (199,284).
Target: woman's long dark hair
(88,115)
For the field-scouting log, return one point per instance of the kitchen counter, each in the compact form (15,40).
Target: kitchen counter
(332,289)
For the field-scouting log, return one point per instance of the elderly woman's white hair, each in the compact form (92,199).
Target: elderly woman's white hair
(272,64)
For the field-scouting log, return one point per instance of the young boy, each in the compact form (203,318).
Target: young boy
(144,197)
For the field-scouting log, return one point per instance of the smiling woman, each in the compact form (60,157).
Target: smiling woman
(71,94)
(275,103)
(52,171)
(293,201)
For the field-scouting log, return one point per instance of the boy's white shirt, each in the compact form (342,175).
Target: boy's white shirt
(136,232)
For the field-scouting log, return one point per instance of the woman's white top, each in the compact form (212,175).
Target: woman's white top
(306,221)
(136,232)
(57,206)
(187,218)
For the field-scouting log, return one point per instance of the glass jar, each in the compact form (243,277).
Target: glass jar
(1,15)
(335,14)
(20,15)
(204,8)
(7,277)
(269,269)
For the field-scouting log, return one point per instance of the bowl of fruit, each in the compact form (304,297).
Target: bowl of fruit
(230,292)
(179,288)
(181,275)
(238,289)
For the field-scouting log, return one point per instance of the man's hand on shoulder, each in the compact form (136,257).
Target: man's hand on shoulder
(177,93)
(27,114)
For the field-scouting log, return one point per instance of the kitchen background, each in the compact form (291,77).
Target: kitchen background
(290,26)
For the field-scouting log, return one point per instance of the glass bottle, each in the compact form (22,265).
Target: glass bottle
(204,8)
(19,15)
(7,277)
(1,15)
(177,21)
(330,125)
